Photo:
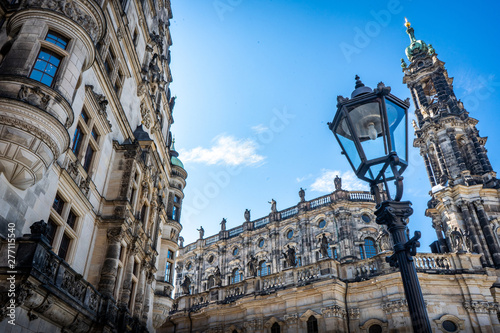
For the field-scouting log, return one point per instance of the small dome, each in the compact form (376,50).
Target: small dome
(175,161)
(417,47)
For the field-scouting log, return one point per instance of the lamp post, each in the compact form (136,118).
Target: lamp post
(372,130)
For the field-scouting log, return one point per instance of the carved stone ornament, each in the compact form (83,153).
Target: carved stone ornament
(69,8)
(146,115)
(115,234)
(333,311)
(395,306)
(39,228)
(102,104)
(33,96)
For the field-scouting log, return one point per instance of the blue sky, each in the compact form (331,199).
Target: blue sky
(257,82)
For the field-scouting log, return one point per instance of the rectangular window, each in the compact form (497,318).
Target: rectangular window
(85,116)
(132,195)
(58,204)
(45,67)
(361,252)
(71,221)
(174,213)
(88,158)
(170,254)
(168,272)
(57,39)
(77,140)
(136,268)
(176,199)
(94,134)
(136,37)
(51,232)
(64,247)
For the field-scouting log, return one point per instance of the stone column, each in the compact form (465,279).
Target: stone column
(491,240)
(469,224)
(428,168)
(147,295)
(440,156)
(110,265)
(127,278)
(139,295)
(456,150)
(481,154)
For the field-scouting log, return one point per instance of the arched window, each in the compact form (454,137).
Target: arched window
(312,325)
(211,282)
(236,276)
(370,250)
(335,253)
(275,328)
(264,269)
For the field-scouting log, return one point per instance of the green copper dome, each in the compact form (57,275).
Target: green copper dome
(417,47)
(173,159)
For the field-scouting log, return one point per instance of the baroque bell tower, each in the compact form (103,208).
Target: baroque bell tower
(464,204)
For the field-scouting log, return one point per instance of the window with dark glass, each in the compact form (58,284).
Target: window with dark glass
(58,204)
(312,325)
(94,134)
(71,221)
(77,140)
(211,282)
(236,276)
(45,67)
(51,230)
(88,158)
(235,251)
(375,329)
(170,254)
(85,116)
(275,328)
(64,247)
(174,213)
(335,253)
(370,250)
(264,269)
(361,252)
(168,272)
(57,39)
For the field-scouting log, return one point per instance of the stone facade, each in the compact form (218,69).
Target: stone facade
(242,279)
(91,188)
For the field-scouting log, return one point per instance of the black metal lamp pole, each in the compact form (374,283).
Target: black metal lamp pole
(394,214)
(370,128)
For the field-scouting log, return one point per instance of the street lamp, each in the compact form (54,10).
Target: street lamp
(372,130)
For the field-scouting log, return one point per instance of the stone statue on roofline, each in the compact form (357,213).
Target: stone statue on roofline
(247,215)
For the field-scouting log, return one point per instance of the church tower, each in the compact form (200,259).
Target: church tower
(464,204)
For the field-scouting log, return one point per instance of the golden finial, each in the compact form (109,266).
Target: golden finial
(407,24)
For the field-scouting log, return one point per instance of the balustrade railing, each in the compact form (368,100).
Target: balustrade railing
(261,222)
(321,201)
(289,213)
(235,231)
(360,196)
(211,240)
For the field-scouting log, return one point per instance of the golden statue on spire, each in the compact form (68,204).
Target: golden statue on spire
(407,24)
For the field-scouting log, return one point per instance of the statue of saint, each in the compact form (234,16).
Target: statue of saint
(323,247)
(273,206)
(338,183)
(185,285)
(217,277)
(290,256)
(181,241)
(247,215)
(252,265)
(457,240)
(302,195)
(383,240)
(223,224)
(202,232)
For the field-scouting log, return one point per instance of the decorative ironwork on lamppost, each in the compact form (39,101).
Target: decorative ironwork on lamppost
(372,130)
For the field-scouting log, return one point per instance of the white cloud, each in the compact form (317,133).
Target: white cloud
(324,183)
(259,128)
(225,150)
(301,179)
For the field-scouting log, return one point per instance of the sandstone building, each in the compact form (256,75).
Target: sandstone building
(91,188)
(320,266)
